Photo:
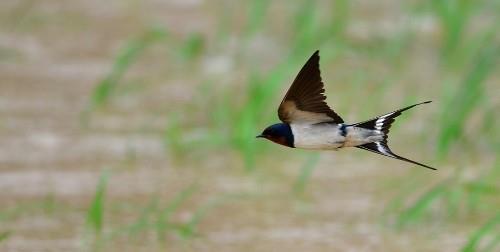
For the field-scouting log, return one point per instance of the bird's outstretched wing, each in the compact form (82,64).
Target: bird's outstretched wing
(305,100)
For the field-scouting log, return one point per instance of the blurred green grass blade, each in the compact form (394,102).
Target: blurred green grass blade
(495,241)
(4,236)
(492,227)
(163,219)
(305,27)
(305,173)
(173,136)
(189,229)
(95,214)
(481,187)
(247,141)
(256,16)
(143,222)
(341,11)
(193,46)
(466,99)
(453,198)
(484,186)
(222,117)
(453,16)
(126,57)
(261,94)
(418,209)
(178,200)
(223,23)
(103,90)
(476,191)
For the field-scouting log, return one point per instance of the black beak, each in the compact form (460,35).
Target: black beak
(259,136)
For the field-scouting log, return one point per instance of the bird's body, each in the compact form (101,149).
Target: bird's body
(309,123)
(331,136)
(321,136)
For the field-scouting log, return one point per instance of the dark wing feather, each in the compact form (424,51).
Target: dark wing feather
(305,100)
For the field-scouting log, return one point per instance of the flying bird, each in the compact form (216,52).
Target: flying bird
(309,123)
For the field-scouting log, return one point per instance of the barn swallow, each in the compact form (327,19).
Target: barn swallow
(309,123)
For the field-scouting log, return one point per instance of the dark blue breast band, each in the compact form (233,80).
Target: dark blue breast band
(342,128)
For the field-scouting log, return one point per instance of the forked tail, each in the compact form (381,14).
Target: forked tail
(383,124)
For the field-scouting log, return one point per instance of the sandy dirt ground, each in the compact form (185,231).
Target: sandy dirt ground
(52,55)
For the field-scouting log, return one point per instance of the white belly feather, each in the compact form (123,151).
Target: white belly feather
(328,136)
(322,136)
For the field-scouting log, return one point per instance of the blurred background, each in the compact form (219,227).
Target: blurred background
(130,126)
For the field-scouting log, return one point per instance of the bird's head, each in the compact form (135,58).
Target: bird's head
(279,133)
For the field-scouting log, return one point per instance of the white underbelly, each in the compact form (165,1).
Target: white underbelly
(317,136)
